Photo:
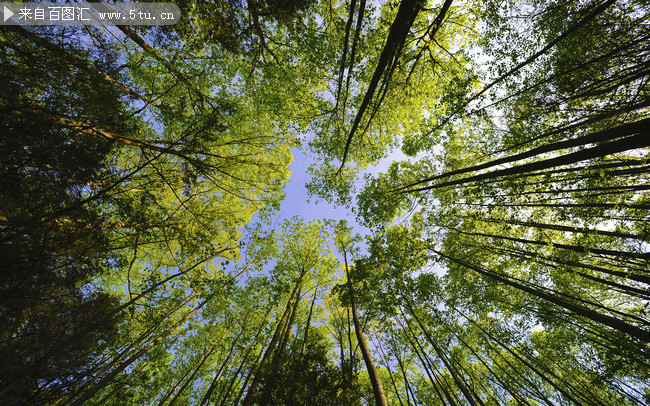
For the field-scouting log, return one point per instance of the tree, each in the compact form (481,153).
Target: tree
(343,243)
(505,260)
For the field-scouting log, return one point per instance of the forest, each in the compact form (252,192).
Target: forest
(494,155)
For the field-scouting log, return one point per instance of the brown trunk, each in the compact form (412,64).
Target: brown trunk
(640,139)
(377,388)
(251,395)
(279,355)
(408,10)
(459,381)
(294,386)
(609,321)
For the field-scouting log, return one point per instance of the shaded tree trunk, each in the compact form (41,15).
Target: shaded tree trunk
(377,388)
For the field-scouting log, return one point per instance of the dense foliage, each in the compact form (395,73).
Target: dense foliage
(496,153)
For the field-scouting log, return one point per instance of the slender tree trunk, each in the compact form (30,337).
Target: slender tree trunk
(640,138)
(298,369)
(241,364)
(522,360)
(390,373)
(605,190)
(629,290)
(407,385)
(90,393)
(575,248)
(559,227)
(426,364)
(377,388)
(609,321)
(251,395)
(570,31)
(353,53)
(617,206)
(187,381)
(408,10)
(350,347)
(279,354)
(499,381)
(208,394)
(459,381)
(78,337)
(348,27)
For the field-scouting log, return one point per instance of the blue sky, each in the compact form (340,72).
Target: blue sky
(295,202)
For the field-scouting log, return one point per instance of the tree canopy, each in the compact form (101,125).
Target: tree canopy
(495,155)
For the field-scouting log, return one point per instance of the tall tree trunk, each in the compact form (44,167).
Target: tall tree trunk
(600,136)
(639,139)
(251,395)
(559,227)
(390,373)
(535,257)
(459,381)
(407,385)
(609,321)
(570,31)
(90,393)
(522,360)
(574,248)
(242,329)
(79,336)
(496,376)
(187,382)
(408,10)
(279,354)
(241,366)
(348,27)
(377,388)
(426,365)
(303,347)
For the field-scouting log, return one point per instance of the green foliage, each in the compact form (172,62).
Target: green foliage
(141,170)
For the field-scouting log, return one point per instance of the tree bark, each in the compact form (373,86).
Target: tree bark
(298,369)
(570,31)
(459,381)
(609,321)
(251,395)
(377,388)
(639,139)
(408,10)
